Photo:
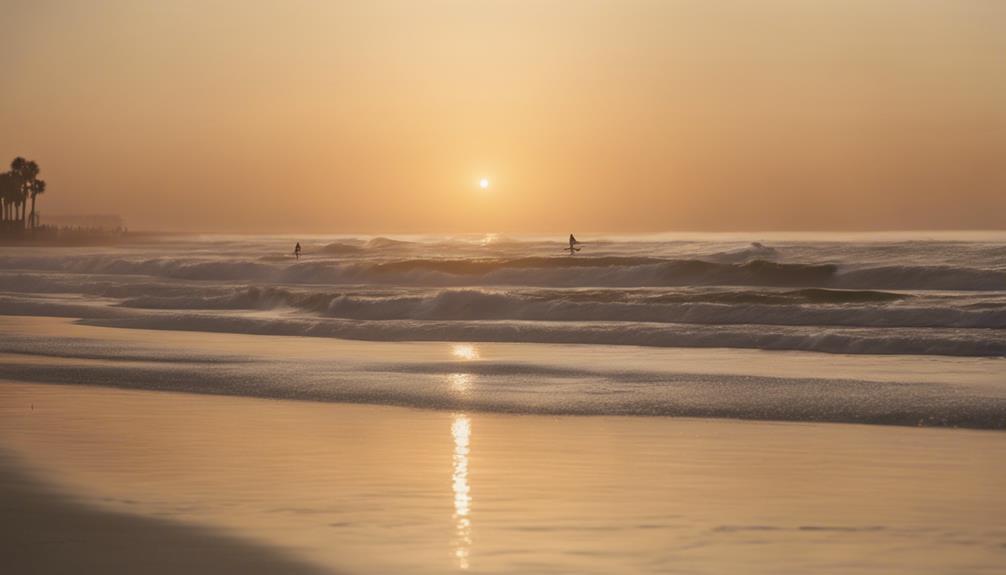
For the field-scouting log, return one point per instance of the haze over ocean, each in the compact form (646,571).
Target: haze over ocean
(635,300)
(374,287)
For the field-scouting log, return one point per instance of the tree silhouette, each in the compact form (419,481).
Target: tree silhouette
(18,168)
(8,191)
(37,187)
(16,186)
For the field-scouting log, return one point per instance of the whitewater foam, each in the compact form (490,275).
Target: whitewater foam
(894,297)
(525,378)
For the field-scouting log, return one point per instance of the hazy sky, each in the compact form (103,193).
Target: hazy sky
(377,116)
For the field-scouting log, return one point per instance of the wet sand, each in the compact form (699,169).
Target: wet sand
(515,378)
(378,489)
(45,531)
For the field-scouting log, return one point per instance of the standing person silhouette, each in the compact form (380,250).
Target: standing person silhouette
(296,251)
(572,245)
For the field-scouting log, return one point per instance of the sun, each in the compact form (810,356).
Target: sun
(484,183)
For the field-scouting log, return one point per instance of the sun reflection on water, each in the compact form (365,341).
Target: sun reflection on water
(461,430)
(465,351)
(460,381)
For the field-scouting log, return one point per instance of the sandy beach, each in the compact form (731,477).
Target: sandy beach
(45,530)
(371,489)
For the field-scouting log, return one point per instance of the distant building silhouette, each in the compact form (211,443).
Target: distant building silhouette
(108,222)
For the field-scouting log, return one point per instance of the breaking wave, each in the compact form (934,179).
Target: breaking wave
(610,271)
(908,297)
(827,339)
(907,341)
(793,307)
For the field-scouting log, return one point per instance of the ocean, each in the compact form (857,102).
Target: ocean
(487,404)
(899,328)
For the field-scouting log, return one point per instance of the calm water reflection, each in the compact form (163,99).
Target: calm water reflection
(460,382)
(461,430)
(363,489)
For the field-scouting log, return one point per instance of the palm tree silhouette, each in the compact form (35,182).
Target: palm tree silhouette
(23,181)
(17,170)
(37,187)
(29,171)
(8,191)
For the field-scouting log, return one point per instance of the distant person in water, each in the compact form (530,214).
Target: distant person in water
(572,245)
(296,251)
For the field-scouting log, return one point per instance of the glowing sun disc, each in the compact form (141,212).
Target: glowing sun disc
(484,183)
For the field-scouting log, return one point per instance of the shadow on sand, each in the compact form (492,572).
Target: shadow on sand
(44,532)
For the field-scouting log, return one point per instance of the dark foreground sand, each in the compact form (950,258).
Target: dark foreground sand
(43,531)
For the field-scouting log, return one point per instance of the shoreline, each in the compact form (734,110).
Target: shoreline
(378,489)
(44,531)
(514,378)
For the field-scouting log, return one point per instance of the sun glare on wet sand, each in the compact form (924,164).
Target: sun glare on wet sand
(465,351)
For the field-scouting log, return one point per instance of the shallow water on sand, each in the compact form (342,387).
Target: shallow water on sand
(516,378)
(372,489)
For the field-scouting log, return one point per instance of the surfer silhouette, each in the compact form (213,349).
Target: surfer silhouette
(296,251)
(572,245)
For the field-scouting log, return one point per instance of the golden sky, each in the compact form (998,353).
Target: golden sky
(382,116)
